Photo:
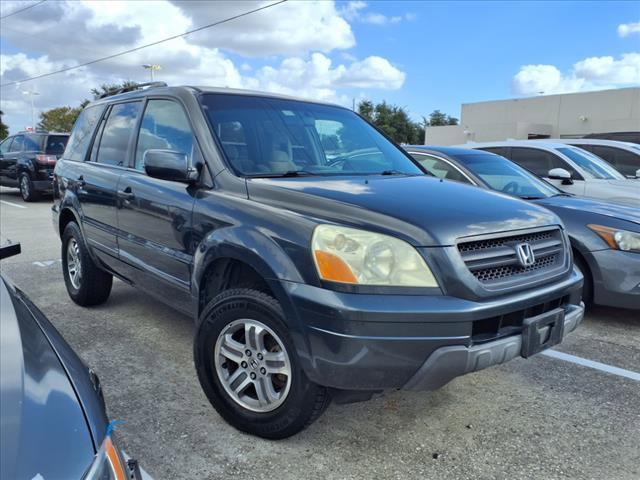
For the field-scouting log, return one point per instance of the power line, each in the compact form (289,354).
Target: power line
(22,9)
(109,57)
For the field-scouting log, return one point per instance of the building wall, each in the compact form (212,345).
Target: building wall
(575,114)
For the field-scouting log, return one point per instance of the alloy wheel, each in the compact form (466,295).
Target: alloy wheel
(24,187)
(253,365)
(74,266)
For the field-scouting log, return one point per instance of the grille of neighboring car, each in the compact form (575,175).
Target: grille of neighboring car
(495,261)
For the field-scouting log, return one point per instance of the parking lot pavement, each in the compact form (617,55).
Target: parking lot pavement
(537,418)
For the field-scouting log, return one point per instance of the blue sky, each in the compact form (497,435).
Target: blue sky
(421,55)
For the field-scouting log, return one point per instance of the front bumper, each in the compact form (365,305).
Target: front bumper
(379,342)
(616,281)
(447,363)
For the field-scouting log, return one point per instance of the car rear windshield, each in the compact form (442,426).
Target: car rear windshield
(269,137)
(592,164)
(49,144)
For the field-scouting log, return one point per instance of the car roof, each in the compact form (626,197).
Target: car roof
(203,89)
(453,151)
(594,141)
(542,144)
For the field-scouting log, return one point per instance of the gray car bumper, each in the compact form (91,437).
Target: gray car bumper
(447,363)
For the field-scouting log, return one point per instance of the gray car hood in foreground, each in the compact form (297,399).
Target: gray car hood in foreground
(43,430)
(425,210)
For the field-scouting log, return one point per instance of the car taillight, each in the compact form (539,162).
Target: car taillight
(46,159)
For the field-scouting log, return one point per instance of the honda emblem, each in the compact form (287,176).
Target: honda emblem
(525,254)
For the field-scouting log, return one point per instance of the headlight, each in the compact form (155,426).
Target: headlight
(347,255)
(108,463)
(618,239)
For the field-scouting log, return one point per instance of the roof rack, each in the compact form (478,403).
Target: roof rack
(131,88)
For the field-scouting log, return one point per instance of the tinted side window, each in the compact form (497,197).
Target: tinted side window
(33,143)
(439,168)
(4,146)
(497,150)
(114,143)
(626,162)
(164,126)
(16,145)
(539,161)
(82,132)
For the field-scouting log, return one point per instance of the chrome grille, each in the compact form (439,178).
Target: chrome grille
(494,261)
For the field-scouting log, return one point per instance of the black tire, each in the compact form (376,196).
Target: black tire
(94,284)
(587,288)
(27,190)
(305,400)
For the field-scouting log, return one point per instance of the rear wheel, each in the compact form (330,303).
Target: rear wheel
(249,369)
(86,283)
(27,190)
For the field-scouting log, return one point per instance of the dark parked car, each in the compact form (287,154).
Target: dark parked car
(605,237)
(310,276)
(27,160)
(52,413)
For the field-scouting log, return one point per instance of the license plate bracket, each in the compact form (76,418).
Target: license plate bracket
(542,331)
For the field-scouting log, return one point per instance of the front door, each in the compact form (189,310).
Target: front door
(10,160)
(540,162)
(155,216)
(4,161)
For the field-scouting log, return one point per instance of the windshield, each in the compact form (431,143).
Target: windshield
(505,176)
(592,164)
(271,137)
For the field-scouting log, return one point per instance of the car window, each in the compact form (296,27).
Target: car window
(595,166)
(80,139)
(270,136)
(624,161)
(497,150)
(506,176)
(56,144)
(114,142)
(4,146)
(16,145)
(440,168)
(164,126)
(33,143)
(540,161)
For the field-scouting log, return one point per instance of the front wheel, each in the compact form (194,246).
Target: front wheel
(86,283)
(27,190)
(248,367)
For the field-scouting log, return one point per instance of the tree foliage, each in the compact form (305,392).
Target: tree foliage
(393,120)
(107,87)
(438,119)
(60,119)
(4,129)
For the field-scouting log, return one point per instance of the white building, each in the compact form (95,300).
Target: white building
(568,115)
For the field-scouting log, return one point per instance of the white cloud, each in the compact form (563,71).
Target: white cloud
(593,73)
(626,29)
(355,11)
(294,42)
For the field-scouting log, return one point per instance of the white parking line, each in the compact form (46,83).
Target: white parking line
(12,204)
(621,372)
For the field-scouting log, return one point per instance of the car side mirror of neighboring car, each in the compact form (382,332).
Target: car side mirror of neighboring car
(169,165)
(560,174)
(638,173)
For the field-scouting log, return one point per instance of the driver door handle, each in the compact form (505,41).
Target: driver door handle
(126,194)
(80,182)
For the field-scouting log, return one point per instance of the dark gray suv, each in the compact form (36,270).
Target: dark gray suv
(318,260)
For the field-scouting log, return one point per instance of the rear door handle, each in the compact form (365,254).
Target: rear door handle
(126,194)
(80,182)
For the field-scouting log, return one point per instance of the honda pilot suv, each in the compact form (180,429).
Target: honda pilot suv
(317,259)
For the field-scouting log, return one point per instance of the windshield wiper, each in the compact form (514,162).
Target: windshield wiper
(529,197)
(393,172)
(563,195)
(288,173)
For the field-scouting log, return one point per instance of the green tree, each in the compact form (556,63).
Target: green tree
(107,87)
(4,129)
(60,119)
(393,120)
(437,119)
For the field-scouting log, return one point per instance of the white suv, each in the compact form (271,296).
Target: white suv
(569,168)
(623,156)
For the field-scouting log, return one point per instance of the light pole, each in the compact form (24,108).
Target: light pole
(31,94)
(152,68)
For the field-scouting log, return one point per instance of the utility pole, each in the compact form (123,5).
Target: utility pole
(31,94)
(152,68)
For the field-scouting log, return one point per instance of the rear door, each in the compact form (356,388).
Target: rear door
(625,161)
(155,216)
(97,181)
(540,161)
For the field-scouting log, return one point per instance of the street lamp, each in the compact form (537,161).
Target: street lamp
(152,68)
(31,94)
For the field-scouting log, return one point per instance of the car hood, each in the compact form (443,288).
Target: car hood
(43,428)
(568,204)
(424,210)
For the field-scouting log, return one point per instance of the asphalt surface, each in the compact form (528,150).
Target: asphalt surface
(536,418)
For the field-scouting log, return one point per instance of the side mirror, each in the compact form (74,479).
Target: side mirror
(560,174)
(638,173)
(169,165)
